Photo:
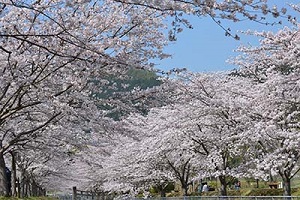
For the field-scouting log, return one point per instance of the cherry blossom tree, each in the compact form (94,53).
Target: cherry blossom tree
(217,117)
(201,134)
(52,50)
(154,156)
(233,10)
(274,67)
(36,162)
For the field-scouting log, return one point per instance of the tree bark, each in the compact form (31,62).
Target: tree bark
(223,185)
(161,188)
(287,186)
(74,196)
(3,178)
(14,175)
(34,189)
(18,188)
(162,193)
(23,184)
(185,188)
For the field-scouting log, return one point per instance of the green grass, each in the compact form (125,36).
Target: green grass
(296,183)
(253,192)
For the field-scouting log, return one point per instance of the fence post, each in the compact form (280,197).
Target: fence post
(74,196)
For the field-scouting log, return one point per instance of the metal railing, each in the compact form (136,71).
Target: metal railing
(221,198)
(92,197)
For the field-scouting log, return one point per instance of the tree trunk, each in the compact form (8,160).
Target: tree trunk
(3,178)
(23,184)
(18,188)
(162,193)
(286,186)
(14,175)
(185,188)
(223,185)
(34,189)
(162,189)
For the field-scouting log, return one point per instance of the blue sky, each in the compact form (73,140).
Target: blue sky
(205,48)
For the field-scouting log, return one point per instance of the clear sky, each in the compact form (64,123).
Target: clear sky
(205,48)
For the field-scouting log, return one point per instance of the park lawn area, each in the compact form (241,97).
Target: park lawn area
(296,183)
(254,192)
(249,188)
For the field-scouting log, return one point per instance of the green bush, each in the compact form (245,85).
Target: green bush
(265,192)
(155,189)
(271,192)
(174,194)
(296,191)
